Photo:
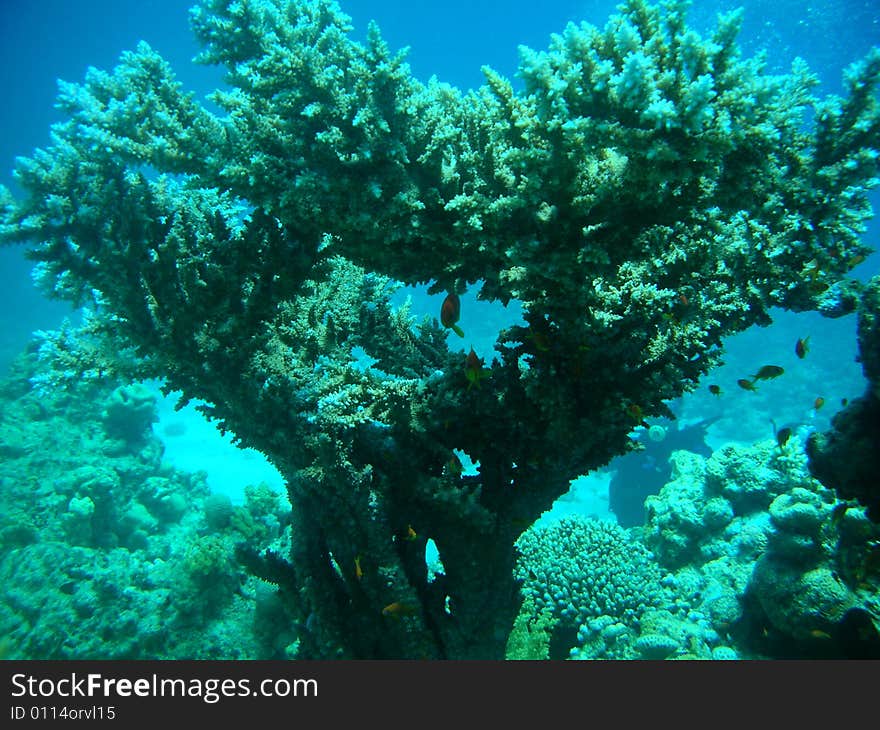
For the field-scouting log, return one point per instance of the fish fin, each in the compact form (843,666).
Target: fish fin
(457,330)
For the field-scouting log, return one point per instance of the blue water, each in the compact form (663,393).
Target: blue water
(45,40)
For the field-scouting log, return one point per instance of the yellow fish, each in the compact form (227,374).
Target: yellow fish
(398,609)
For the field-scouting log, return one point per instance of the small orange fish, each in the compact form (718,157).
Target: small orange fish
(746,384)
(684,300)
(802,347)
(818,403)
(635,412)
(358,573)
(398,609)
(410,534)
(855,260)
(474,370)
(715,389)
(450,312)
(819,634)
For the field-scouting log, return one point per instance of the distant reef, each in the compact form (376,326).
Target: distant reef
(107,553)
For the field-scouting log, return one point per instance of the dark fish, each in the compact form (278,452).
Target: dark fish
(540,340)
(858,635)
(635,412)
(818,403)
(782,436)
(768,372)
(802,347)
(746,384)
(399,609)
(715,390)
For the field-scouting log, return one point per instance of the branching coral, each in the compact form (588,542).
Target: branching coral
(582,569)
(648,193)
(585,576)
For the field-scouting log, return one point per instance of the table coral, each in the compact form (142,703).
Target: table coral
(647,193)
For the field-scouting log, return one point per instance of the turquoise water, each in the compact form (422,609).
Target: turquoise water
(122,516)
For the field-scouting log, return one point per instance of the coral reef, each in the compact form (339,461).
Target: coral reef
(778,562)
(107,553)
(643,472)
(649,192)
(846,458)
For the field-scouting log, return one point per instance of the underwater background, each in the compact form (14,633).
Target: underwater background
(120,517)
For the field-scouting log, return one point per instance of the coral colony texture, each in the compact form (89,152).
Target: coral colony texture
(646,193)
